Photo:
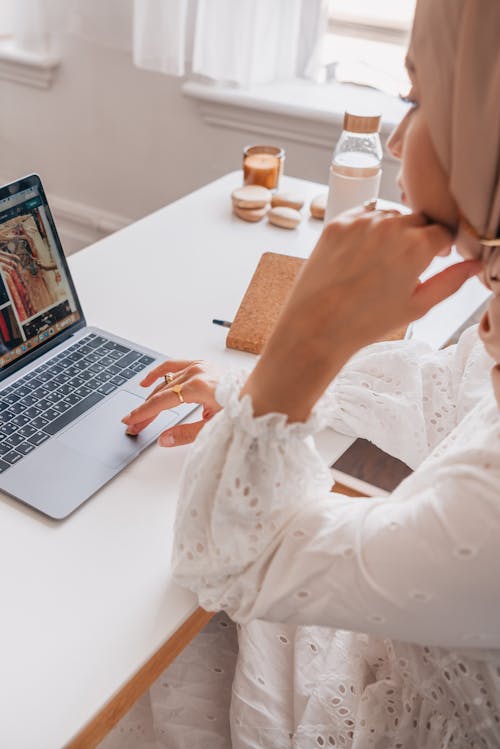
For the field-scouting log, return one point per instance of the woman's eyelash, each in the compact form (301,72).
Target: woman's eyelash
(408,100)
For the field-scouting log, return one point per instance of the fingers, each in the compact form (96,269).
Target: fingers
(150,409)
(138,427)
(171,365)
(182,434)
(431,240)
(442,285)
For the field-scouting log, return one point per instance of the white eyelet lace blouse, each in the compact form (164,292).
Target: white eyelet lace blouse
(362,622)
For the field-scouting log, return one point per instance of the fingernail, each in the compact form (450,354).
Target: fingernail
(126,419)
(143,381)
(167,441)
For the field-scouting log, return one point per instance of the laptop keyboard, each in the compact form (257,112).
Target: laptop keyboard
(42,403)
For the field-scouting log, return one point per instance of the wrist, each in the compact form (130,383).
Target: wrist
(294,371)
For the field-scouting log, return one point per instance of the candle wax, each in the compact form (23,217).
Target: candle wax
(261,169)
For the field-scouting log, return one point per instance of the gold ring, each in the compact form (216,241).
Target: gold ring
(370,205)
(169,377)
(178,389)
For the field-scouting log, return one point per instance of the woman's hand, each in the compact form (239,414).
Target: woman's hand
(198,381)
(361,281)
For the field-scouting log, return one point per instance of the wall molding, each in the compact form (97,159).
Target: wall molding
(279,126)
(79,224)
(23,67)
(292,114)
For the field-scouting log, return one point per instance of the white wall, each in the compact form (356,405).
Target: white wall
(113,143)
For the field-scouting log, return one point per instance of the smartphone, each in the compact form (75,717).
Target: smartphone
(367,470)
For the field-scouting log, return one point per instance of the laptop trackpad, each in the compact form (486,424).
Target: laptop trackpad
(102,435)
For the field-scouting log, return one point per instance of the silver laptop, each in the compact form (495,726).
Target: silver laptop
(64,386)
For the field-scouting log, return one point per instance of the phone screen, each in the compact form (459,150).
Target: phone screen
(368,464)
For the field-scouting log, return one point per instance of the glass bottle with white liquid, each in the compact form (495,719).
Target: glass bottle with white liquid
(355,170)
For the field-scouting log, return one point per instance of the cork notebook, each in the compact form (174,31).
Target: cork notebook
(263,301)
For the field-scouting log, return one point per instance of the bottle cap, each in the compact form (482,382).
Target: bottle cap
(356,123)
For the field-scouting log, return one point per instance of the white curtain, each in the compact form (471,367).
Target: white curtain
(38,24)
(238,42)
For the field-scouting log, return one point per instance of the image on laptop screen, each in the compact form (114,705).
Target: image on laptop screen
(36,297)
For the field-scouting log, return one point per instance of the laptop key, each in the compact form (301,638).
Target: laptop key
(44,403)
(25,448)
(61,378)
(22,391)
(40,392)
(39,422)
(15,439)
(73,413)
(137,367)
(119,347)
(54,397)
(29,400)
(12,457)
(55,369)
(73,398)
(128,373)
(146,360)
(8,429)
(117,380)
(26,431)
(97,367)
(4,448)
(107,387)
(83,390)
(39,437)
(33,383)
(66,389)
(96,341)
(3,466)
(130,358)
(62,406)
(17,408)
(51,414)
(20,420)
(32,411)
(11,398)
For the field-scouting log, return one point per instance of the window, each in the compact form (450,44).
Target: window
(6,20)
(366,42)
(26,53)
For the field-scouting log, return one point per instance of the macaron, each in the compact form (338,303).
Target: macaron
(287,200)
(250,214)
(287,218)
(251,196)
(318,206)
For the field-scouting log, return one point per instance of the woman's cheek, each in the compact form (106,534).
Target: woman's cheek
(489,328)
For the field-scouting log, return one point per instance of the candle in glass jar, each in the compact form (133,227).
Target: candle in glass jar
(262,165)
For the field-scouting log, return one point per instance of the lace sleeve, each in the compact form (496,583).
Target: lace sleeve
(404,396)
(259,535)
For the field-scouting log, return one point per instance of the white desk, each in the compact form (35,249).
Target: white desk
(86,602)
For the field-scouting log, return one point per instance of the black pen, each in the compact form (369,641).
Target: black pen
(224,323)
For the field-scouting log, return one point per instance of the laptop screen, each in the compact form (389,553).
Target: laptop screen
(37,298)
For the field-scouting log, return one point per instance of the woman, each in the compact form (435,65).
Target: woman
(364,623)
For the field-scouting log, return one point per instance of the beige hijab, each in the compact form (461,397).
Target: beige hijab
(456,52)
